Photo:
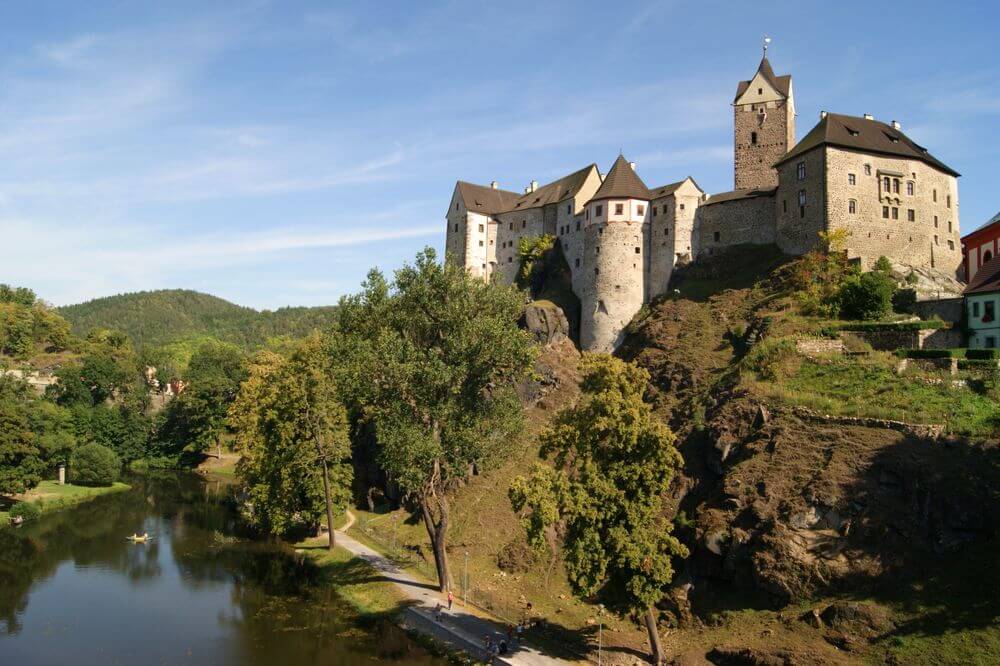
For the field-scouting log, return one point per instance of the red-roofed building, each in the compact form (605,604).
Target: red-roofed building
(980,246)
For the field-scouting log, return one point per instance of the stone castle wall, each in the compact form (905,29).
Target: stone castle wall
(615,258)
(753,161)
(736,222)
(511,228)
(797,227)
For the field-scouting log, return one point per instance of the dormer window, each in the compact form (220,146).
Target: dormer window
(599,210)
(760,91)
(851,131)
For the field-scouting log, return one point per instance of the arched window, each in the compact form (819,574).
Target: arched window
(852,206)
(987,256)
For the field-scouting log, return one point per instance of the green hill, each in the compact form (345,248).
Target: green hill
(154,318)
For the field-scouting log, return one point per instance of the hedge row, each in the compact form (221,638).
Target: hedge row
(931,353)
(983,354)
(976,364)
(895,325)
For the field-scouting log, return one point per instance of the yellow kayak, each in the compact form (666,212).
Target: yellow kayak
(136,538)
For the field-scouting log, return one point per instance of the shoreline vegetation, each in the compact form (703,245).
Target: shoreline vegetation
(49,496)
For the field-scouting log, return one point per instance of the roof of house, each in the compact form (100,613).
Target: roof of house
(780,83)
(751,193)
(670,188)
(484,199)
(622,182)
(554,192)
(987,278)
(995,220)
(870,136)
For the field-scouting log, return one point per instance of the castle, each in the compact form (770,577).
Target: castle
(623,239)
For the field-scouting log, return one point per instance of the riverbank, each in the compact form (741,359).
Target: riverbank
(49,496)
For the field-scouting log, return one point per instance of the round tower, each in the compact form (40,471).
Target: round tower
(615,262)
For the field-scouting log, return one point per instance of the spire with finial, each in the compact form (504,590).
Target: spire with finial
(767,40)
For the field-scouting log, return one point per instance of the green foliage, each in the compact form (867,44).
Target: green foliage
(291,429)
(932,353)
(25,510)
(904,300)
(866,296)
(21,461)
(26,321)
(769,357)
(935,324)
(985,354)
(531,251)
(94,465)
(17,295)
(613,461)
(157,318)
(814,279)
(911,278)
(432,360)
(883,265)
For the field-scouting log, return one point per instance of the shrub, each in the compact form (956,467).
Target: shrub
(94,465)
(904,300)
(896,325)
(883,265)
(25,510)
(932,353)
(983,354)
(516,557)
(867,296)
(770,358)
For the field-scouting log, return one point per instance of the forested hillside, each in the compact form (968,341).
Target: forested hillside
(152,318)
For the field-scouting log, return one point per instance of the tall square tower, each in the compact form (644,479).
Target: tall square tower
(764,127)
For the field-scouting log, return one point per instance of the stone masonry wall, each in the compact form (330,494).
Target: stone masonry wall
(737,222)
(511,228)
(930,240)
(616,292)
(775,134)
(797,228)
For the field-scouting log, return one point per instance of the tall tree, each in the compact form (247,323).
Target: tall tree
(292,430)
(21,463)
(613,462)
(433,360)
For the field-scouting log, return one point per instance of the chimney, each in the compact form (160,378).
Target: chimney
(495,185)
(526,189)
(822,115)
(632,164)
(534,185)
(896,125)
(869,116)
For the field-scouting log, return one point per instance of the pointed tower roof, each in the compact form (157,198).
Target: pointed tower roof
(622,182)
(780,83)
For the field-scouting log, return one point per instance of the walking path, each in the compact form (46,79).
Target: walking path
(457,627)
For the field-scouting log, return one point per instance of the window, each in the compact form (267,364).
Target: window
(851,179)
(949,226)
(885,212)
(716,236)
(577,262)
(909,188)
(524,223)
(760,91)
(569,209)
(989,311)
(991,342)
(800,170)
(935,239)
(949,201)
(753,138)
(510,226)
(868,169)
(802,197)
(510,260)
(480,243)
(654,211)
(911,215)
(456,226)
(852,206)
(638,251)
(641,210)
(456,205)
(578,225)
(784,205)
(886,184)
(934,195)
(895,213)
(975,309)
(935,222)
(619,209)
(666,232)
(951,245)
(682,206)
(480,228)
(895,185)
(599,210)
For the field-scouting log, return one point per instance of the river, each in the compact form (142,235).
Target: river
(74,591)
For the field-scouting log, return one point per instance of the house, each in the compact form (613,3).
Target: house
(982,302)
(980,246)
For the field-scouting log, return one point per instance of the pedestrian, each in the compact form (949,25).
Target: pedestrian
(520,631)
(451,599)
(437,612)
(510,633)
(486,642)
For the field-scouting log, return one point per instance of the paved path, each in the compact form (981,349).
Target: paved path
(458,628)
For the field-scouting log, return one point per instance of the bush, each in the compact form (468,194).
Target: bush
(896,325)
(25,510)
(771,358)
(932,353)
(904,300)
(983,354)
(867,296)
(94,465)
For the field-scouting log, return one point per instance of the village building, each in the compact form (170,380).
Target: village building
(622,239)
(980,246)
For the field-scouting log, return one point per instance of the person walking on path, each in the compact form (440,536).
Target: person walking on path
(451,599)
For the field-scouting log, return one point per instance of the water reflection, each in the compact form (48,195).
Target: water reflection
(73,589)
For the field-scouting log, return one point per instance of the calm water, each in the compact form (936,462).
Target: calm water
(73,591)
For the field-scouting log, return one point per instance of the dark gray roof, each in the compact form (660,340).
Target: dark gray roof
(862,134)
(780,83)
(554,192)
(484,199)
(751,193)
(975,232)
(670,188)
(987,278)
(622,182)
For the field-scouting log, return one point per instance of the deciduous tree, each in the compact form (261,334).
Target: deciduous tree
(613,461)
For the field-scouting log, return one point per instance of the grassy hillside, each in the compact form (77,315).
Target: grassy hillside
(155,318)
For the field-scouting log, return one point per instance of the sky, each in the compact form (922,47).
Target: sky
(272,153)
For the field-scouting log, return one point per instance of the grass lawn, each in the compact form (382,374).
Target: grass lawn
(355,580)
(50,496)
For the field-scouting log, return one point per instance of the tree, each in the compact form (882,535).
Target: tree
(432,360)
(94,465)
(292,431)
(198,415)
(867,296)
(21,463)
(613,462)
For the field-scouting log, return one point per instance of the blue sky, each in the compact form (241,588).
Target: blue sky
(272,152)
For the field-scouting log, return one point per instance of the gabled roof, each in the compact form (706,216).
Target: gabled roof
(782,84)
(868,136)
(667,190)
(485,200)
(622,182)
(751,193)
(554,192)
(995,220)
(987,278)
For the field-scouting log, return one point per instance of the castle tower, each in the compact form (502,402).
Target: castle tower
(615,257)
(764,124)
